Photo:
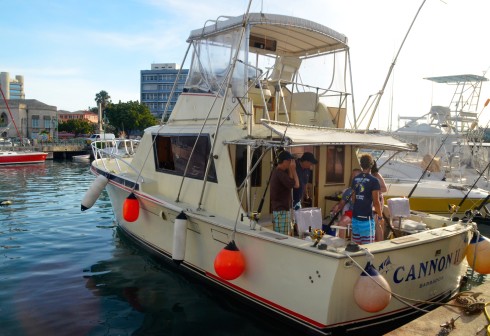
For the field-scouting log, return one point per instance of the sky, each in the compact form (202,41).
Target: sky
(69,50)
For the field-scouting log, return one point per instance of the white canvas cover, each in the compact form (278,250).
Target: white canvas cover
(310,135)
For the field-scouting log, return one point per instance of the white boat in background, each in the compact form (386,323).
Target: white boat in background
(436,197)
(190,192)
(450,138)
(81,158)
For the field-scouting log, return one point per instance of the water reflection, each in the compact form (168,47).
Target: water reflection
(163,300)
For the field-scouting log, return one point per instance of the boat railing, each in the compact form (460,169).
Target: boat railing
(119,150)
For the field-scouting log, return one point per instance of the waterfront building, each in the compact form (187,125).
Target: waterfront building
(157,84)
(64,116)
(33,119)
(13,88)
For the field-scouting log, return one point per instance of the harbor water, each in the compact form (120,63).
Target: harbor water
(67,272)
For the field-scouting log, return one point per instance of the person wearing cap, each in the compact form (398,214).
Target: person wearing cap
(283,179)
(303,170)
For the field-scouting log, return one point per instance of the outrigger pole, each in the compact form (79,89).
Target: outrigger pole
(380,93)
(474,184)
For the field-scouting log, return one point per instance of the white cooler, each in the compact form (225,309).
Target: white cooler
(308,217)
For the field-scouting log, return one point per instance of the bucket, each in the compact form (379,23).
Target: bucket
(330,231)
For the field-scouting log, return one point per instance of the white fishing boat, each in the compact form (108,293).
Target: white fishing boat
(452,160)
(196,189)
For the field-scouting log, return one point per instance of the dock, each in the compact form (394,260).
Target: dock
(59,150)
(62,150)
(464,325)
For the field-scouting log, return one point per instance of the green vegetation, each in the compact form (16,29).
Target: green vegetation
(130,116)
(76,126)
(120,119)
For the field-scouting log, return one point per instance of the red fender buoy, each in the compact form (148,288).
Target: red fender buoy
(479,249)
(131,208)
(368,294)
(229,263)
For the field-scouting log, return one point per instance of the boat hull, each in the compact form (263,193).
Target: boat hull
(436,197)
(10,158)
(324,279)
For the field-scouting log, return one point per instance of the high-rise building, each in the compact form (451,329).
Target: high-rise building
(12,88)
(157,84)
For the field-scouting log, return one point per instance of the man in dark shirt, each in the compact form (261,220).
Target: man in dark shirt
(283,179)
(303,170)
(366,189)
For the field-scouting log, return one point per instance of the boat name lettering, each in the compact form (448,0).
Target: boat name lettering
(427,268)
(431,282)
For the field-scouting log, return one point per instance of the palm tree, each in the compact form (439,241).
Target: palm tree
(103,99)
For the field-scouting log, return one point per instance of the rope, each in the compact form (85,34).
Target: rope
(488,317)
(404,299)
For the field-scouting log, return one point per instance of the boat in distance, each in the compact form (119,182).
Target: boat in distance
(10,157)
(196,189)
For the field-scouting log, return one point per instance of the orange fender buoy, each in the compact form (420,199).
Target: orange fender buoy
(131,208)
(372,293)
(478,254)
(229,263)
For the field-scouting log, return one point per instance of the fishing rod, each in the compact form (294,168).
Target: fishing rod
(427,168)
(468,193)
(334,218)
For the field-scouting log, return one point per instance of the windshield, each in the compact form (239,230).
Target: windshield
(212,62)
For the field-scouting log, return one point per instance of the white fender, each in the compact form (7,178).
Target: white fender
(180,235)
(94,192)
(372,293)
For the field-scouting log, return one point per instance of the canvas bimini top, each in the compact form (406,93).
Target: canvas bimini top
(301,135)
(278,34)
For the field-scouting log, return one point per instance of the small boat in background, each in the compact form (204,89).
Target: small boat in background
(81,158)
(21,157)
(9,156)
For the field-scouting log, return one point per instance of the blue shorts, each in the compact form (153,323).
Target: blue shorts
(363,230)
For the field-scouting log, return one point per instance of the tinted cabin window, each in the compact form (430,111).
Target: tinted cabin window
(174,152)
(335,164)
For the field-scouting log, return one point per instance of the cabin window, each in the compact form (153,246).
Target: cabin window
(241,166)
(335,164)
(3,119)
(172,153)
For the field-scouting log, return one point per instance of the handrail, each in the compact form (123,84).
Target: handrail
(110,149)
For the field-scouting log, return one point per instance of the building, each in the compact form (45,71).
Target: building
(12,88)
(30,117)
(64,116)
(157,84)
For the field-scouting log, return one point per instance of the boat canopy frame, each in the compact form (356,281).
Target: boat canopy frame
(290,36)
